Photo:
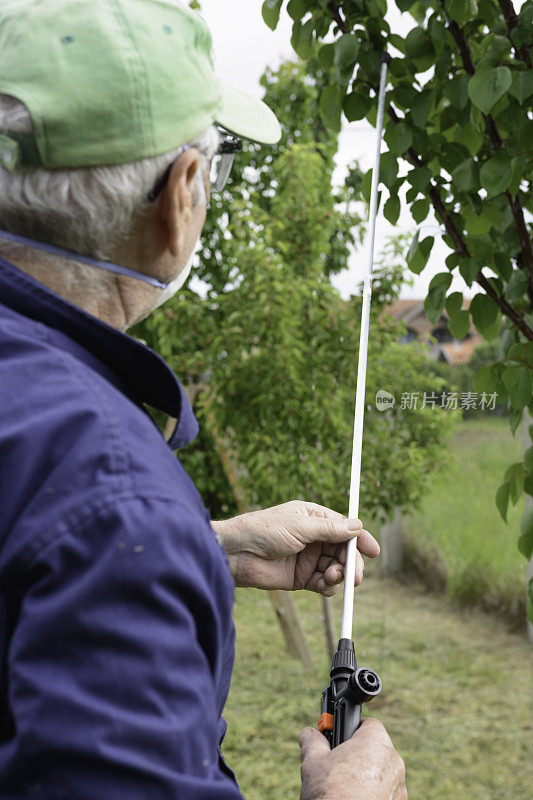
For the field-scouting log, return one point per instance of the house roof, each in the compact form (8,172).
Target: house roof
(412,313)
(460,352)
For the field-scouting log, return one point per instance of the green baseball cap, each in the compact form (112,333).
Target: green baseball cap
(112,81)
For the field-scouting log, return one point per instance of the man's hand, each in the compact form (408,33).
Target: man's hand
(296,545)
(366,767)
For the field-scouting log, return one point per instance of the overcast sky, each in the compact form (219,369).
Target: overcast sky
(243,47)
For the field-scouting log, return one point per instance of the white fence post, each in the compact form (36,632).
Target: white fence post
(392,543)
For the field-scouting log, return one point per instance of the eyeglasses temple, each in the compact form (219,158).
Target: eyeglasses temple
(226,163)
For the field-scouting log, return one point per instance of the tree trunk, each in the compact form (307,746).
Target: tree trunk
(331,640)
(282,601)
(526,422)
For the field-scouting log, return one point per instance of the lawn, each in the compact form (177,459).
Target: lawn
(458,530)
(457,693)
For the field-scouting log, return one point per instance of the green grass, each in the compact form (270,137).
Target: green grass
(456,700)
(457,537)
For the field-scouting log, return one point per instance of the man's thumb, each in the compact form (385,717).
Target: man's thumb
(313,743)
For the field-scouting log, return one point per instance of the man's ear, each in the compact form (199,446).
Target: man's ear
(177,199)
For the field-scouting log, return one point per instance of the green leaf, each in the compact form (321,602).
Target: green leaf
(356,106)
(528,459)
(326,56)
(525,543)
(441,279)
(486,380)
(462,11)
(411,194)
(459,324)
(388,168)
(419,177)
(439,37)
(346,50)
(517,174)
(487,86)
(452,260)
(454,303)
(489,216)
(297,9)
(521,352)
(522,85)
(516,286)
(465,177)
(470,137)
(419,253)
(330,106)
(519,384)
(469,268)
(529,601)
(494,330)
(302,39)
(366,185)
(525,133)
(420,108)
(418,44)
(420,210)
(502,265)
(502,500)
(271,11)
(456,91)
(433,305)
(397,41)
(399,138)
(494,49)
(404,5)
(484,311)
(516,484)
(414,246)
(496,175)
(392,208)
(481,247)
(436,296)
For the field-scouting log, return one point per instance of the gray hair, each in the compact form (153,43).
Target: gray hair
(89,210)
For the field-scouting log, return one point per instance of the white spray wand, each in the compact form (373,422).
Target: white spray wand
(351,686)
(355,482)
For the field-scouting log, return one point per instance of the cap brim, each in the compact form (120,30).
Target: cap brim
(246,116)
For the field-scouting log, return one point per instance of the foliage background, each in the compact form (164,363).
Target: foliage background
(458,130)
(271,349)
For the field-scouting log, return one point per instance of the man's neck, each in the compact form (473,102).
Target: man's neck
(108,297)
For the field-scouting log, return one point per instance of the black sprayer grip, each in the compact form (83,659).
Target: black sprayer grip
(384,58)
(346,720)
(350,687)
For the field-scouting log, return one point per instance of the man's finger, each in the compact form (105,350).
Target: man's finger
(368,545)
(325,529)
(313,744)
(315,510)
(334,574)
(359,569)
(371,730)
(325,589)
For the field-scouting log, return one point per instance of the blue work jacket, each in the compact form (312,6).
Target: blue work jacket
(116,633)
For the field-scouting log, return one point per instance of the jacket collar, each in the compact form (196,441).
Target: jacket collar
(131,366)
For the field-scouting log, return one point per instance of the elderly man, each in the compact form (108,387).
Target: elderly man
(116,596)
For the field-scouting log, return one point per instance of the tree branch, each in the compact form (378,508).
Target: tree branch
(440,209)
(511,20)
(520,226)
(461,249)
(336,14)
